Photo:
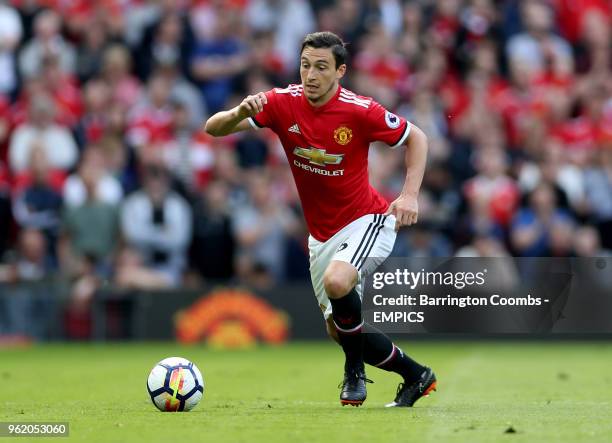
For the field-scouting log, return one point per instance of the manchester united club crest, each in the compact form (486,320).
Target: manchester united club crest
(343,135)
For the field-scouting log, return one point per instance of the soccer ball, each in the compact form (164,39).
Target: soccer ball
(175,384)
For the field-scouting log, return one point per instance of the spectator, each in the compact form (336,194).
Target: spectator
(137,18)
(538,47)
(531,227)
(426,113)
(107,188)
(187,152)
(214,246)
(265,59)
(90,51)
(587,246)
(522,108)
(11,32)
(573,16)
(39,204)
(116,71)
(593,55)
(492,187)
(218,60)
(82,14)
(561,238)
(483,246)
(555,168)
(184,92)
(382,71)
(350,17)
(31,262)
(142,18)
(118,163)
(443,31)
(410,41)
(477,222)
(587,243)
(18,111)
(150,121)
(28,304)
(479,21)
(156,222)
(261,229)
(390,13)
(422,241)
(383,173)
(56,141)
(439,201)
(47,41)
(598,190)
(227,170)
(290,20)
(95,119)
(167,43)
(62,88)
(89,235)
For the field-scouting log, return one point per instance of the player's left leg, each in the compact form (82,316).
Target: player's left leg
(381,352)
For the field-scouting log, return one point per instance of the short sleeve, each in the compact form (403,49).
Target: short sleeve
(265,119)
(385,126)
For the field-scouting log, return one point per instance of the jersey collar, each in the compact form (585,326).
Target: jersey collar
(330,102)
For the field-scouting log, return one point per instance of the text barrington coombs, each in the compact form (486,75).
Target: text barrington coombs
(461,302)
(459,280)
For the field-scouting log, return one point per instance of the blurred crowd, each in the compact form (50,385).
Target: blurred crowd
(107,178)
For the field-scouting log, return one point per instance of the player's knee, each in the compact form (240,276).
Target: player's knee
(336,285)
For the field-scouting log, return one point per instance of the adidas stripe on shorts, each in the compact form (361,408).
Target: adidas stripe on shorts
(371,236)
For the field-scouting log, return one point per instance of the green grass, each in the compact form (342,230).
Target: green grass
(559,392)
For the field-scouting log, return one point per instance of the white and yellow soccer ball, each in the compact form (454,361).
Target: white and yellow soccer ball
(175,384)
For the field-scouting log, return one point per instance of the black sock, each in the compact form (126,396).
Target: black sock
(346,313)
(379,351)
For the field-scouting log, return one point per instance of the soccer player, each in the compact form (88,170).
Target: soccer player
(326,131)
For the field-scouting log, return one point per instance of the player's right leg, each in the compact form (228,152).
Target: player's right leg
(339,281)
(334,285)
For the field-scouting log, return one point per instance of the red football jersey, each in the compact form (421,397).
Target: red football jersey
(327,148)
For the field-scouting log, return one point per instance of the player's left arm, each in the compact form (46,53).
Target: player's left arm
(406,207)
(396,131)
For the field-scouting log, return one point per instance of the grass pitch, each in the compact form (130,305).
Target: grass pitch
(514,392)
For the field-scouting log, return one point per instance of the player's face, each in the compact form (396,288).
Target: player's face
(319,74)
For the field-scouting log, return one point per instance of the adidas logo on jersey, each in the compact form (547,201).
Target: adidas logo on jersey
(295,128)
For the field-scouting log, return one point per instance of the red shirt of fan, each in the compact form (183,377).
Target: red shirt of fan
(327,148)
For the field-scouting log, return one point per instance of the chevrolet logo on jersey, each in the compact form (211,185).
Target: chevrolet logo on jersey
(318,157)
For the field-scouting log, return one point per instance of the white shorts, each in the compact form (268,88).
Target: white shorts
(369,237)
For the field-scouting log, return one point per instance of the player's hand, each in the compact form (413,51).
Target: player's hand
(252,105)
(405,208)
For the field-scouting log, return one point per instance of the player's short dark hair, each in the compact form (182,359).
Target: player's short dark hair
(327,39)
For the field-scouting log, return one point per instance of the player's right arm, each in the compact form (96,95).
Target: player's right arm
(235,119)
